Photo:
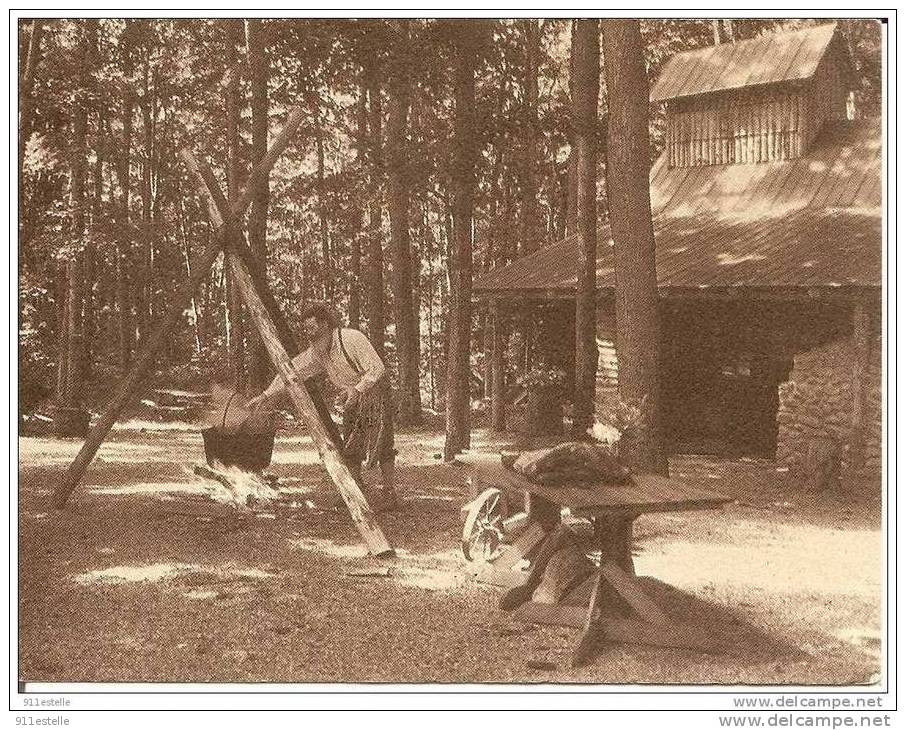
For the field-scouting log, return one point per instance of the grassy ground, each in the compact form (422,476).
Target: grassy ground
(143,578)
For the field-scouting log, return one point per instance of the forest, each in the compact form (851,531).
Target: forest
(630,302)
(430,151)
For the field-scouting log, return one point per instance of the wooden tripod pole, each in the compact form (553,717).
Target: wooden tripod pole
(238,255)
(179,301)
(204,180)
(336,466)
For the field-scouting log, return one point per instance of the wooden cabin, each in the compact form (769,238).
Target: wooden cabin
(766,203)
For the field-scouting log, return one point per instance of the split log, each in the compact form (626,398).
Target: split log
(218,208)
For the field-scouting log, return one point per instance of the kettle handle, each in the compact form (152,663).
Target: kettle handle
(227,407)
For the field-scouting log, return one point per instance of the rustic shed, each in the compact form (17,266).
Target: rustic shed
(767,216)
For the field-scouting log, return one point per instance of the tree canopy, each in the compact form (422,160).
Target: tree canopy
(106,105)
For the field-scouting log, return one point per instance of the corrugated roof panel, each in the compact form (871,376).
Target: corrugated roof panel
(731,63)
(763,197)
(783,66)
(658,170)
(791,193)
(675,73)
(731,184)
(843,175)
(869,193)
(769,59)
(815,221)
(790,56)
(690,189)
(708,65)
(666,186)
(815,48)
(845,195)
(811,248)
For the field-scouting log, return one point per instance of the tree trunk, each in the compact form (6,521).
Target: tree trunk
(586,67)
(861,347)
(187,262)
(629,203)
(487,373)
(374,255)
(728,29)
(144,283)
(90,263)
(323,226)
(498,368)
(572,160)
(429,247)
(532,231)
(465,149)
(404,308)
(355,244)
(69,420)
(27,108)
(259,361)
(233,102)
(125,328)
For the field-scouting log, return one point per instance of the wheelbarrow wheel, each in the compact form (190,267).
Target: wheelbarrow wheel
(482,532)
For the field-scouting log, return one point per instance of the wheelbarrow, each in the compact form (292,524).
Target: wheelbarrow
(492,518)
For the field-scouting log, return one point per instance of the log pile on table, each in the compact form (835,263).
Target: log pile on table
(573,463)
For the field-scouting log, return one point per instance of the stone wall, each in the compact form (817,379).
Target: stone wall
(815,413)
(873,404)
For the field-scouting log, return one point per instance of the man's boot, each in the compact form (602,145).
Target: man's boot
(388,498)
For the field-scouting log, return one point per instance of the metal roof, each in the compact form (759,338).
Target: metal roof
(767,59)
(810,222)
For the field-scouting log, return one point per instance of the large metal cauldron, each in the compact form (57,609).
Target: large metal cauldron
(240,449)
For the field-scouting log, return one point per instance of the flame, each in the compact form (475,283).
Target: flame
(246,489)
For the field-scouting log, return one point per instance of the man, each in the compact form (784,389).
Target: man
(350,362)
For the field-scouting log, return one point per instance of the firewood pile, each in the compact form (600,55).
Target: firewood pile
(573,462)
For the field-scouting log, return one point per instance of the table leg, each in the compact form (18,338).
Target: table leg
(614,535)
(544,512)
(520,594)
(619,608)
(589,645)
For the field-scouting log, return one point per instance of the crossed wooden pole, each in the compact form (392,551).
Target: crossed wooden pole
(275,334)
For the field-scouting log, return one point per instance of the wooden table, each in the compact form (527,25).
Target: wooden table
(613,604)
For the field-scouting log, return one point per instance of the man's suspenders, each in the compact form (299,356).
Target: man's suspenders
(355,368)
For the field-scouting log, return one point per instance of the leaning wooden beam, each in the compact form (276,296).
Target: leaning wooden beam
(305,408)
(128,388)
(262,168)
(203,177)
(180,300)
(250,290)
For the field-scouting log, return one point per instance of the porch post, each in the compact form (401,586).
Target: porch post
(498,367)
(860,345)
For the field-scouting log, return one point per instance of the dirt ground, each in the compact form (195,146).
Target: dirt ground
(145,578)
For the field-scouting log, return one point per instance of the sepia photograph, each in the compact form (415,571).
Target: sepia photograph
(512,352)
